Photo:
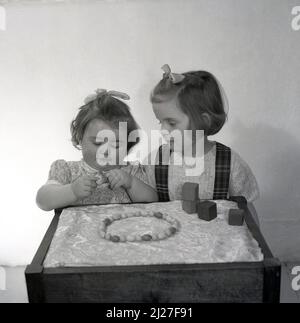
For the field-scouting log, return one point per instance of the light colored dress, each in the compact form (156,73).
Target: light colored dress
(242,182)
(65,172)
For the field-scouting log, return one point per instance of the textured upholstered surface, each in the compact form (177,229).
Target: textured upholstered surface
(77,241)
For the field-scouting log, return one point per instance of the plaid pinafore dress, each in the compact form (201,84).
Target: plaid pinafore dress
(222,174)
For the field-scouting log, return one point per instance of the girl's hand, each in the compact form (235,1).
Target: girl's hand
(119,178)
(101,179)
(84,186)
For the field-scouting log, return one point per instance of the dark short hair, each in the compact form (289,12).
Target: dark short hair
(199,92)
(108,109)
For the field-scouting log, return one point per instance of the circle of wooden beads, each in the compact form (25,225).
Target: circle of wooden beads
(139,238)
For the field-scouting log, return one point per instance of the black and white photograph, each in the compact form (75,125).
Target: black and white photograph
(150,154)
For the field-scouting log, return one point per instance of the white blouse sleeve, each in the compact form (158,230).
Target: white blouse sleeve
(242,181)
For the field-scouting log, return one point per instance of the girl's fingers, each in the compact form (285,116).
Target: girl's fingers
(87,177)
(113,173)
(113,177)
(105,185)
(88,190)
(108,173)
(113,183)
(118,185)
(89,181)
(109,177)
(118,182)
(101,180)
(91,186)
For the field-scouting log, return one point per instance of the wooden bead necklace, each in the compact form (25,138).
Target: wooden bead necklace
(139,238)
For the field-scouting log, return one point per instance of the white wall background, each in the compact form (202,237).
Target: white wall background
(53,55)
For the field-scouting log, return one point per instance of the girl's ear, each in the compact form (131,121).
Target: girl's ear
(206,119)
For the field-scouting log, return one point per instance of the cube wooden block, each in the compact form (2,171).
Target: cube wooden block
(190,207)
(240,200)
(190,192)
(236,217)
(207,210)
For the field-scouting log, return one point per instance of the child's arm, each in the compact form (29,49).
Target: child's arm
(52,196)
(136,189)
(141,192)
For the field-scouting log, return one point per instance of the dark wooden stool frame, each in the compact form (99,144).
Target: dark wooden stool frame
(250,282)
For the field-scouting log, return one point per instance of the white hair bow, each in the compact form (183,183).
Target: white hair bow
(100,92)
(174,77)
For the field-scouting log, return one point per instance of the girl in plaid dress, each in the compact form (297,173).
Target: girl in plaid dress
(195,101)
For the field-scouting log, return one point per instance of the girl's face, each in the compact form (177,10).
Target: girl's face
(93,143)
(171,117)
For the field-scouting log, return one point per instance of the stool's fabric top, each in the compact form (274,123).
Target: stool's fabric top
(77,241)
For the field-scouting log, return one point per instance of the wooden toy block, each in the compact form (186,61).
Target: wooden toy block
(190,192)
(207,210)
(236,217)
(189,207)
(240,200)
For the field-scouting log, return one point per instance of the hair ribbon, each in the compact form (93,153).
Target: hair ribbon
(174,77)
(100,92)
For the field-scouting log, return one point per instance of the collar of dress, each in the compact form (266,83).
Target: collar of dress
(88,169)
